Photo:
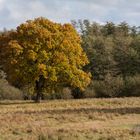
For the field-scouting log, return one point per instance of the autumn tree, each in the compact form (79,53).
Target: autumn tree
(45,55)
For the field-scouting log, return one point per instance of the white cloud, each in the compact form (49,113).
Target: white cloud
(13,12)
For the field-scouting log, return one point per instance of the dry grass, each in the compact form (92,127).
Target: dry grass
(95,119)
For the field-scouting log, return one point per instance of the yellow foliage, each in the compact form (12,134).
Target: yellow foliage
(42,48)
(42,67)
(15,48)
(32,55)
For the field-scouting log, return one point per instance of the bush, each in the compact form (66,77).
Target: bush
(28,92)
(9,92)
(132,86)
(90,91)
(110,87)
(65,93)
(77,93)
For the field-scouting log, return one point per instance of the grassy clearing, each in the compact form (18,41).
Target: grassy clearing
(95,119)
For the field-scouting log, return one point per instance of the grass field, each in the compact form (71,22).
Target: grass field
(95,119)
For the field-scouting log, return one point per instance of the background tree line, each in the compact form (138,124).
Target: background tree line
(114,63)
(114,54)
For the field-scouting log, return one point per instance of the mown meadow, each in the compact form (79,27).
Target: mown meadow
(83,119)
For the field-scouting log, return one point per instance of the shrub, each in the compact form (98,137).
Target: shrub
(90,91)
(9,92)
(110,87)
(77,93)
(65,93)
(132,86)
(28,92)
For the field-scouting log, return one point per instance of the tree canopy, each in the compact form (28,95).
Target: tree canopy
(44,54)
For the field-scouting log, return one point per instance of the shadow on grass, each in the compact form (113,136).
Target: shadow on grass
(122,111)
(16,102)
(119,110)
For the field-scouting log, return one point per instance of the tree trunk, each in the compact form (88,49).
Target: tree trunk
(38,97)
(39,87)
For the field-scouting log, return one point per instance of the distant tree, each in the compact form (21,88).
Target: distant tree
(134,31)
(97,42)
(114,54)
(123,29)
(45,55)
(127,53)
(108,29)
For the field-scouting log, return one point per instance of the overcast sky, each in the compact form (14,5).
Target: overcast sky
(14,12)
